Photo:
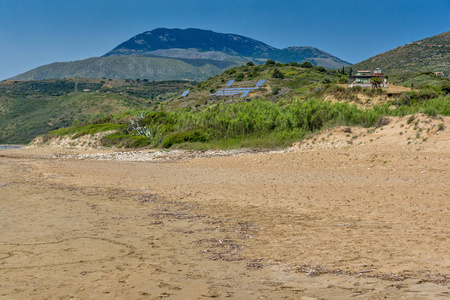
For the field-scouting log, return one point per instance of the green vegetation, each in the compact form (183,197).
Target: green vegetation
(258,123)
(134,67)
(428,55)
(420,80)
(287,108)
(88,129)
(32,108)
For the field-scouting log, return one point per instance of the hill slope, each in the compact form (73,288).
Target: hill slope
(427,55)
(31,108)
(129,67)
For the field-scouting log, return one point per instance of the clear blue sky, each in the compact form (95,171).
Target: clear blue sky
(38,32)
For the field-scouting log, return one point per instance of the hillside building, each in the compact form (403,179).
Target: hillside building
(362,78)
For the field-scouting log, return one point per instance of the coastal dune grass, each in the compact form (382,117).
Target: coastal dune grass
(255,124)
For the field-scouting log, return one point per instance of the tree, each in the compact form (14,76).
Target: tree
(270,62)
(306,64)
(250,64)
(277,74)
(321,69)
(376,82)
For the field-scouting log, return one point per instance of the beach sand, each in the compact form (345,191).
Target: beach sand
(351,213)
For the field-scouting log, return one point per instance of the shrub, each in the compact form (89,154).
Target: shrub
(277,74)
(250,64)
(121,140)
(430,111)
(240,77)
(157,117)
(270,62)
(446,88)
(276,90)
(321,69)
(181,137)
(343,80)
(326,80)
(306,64)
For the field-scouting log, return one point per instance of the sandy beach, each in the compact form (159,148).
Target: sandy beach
(352,213)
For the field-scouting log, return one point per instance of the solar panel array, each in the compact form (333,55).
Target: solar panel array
(227,93)
(236,91)
(185,93)
(245,94)
(260,83)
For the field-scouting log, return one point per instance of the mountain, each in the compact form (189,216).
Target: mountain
(427,55)
(202,40)
(197,43)
(177,54)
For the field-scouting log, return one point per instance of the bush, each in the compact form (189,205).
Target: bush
(240,77)
(121,140)
(294,64)
(321,69)
(157,118)
(306,64)
(326,80)
(446,88)
(181,137)
(415,97)
(276,90)
(277,74)
(270,62)
(250,64)
(343,80)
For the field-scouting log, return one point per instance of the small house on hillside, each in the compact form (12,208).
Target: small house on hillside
(363,78)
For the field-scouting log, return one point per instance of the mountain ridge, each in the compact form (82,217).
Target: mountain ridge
(156,41)
(204,40)
(203,53)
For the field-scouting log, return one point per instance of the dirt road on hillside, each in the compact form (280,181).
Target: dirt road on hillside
(328,219)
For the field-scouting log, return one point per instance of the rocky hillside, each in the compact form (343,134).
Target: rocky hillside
(427,55)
